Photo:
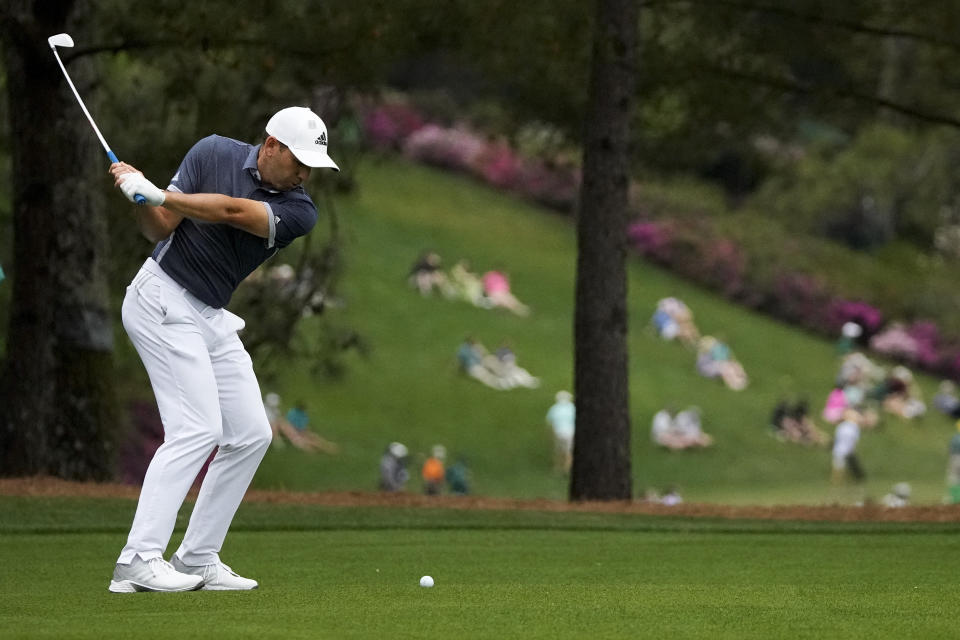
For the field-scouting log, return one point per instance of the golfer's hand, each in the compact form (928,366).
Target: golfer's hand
(134,183)
(120,169)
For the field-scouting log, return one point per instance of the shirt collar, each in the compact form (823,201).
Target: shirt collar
(251,165)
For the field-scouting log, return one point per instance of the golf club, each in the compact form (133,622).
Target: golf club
(64,40)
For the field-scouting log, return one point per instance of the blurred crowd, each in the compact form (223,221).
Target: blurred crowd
(859,397)
(861,393)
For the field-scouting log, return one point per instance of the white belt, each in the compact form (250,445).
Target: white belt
(151,267)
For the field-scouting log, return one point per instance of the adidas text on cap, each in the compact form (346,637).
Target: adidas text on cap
(304,133)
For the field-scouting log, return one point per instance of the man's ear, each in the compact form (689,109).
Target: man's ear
(271,145)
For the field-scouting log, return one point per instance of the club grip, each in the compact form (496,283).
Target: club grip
(139,199)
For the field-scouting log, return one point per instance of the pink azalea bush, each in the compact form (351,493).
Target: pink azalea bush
(387,125)
(693,248)
(918,343)
(651,239)
(896,342)
(726,266)
(554,186)
(800,298)
(841,311)
(455,149)
(498,165)
(492,161)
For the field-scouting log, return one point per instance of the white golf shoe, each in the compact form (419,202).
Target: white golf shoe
(216,577)
(155,574)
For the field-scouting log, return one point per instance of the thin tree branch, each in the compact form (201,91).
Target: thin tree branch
(793,14)
(792,86)
(207,44)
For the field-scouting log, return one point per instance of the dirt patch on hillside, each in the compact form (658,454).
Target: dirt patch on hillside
(52,487)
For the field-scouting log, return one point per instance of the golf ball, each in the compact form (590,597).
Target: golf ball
(426,581)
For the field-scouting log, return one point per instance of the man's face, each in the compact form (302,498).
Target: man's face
(279,167)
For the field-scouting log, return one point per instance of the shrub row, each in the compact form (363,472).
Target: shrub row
(544,180)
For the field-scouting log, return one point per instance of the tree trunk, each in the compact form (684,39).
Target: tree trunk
(57,401)
(601,465)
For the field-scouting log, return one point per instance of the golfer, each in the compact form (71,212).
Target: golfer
(229,207)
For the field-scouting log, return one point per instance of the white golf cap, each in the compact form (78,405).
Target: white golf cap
(304,133)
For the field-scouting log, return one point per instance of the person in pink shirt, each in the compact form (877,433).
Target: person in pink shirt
(835,406)
(496,287)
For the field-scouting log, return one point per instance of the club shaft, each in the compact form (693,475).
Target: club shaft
(106,147)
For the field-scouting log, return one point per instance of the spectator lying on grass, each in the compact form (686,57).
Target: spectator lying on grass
(716,360)
(496,288)
(500,371)
(673,320)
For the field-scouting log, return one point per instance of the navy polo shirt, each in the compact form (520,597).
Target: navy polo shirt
(211,259)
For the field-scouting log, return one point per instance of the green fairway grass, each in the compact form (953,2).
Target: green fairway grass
(408,387)
(353,573)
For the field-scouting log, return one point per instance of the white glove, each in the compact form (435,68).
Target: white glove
(136,183)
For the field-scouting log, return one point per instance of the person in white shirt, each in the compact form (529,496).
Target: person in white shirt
(845,441)
(562,418)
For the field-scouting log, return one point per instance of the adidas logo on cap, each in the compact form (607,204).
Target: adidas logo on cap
(322,139)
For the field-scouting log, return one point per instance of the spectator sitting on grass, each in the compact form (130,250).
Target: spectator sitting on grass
(297,430)
(393,468)
(663,324)
(674,320)
(433,471)
(899,496)
(858,371)
(664,433)
(426,276)
(671,497)
(458,478)
(689,427)
(794,424)
(778,427)
(946,401)
(901,395)
(271,403)
(681,432)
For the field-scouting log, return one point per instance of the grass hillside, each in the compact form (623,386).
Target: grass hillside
(408,388)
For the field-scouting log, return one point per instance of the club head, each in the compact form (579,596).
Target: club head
(60,40)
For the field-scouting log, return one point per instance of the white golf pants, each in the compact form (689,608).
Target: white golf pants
(208,396)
